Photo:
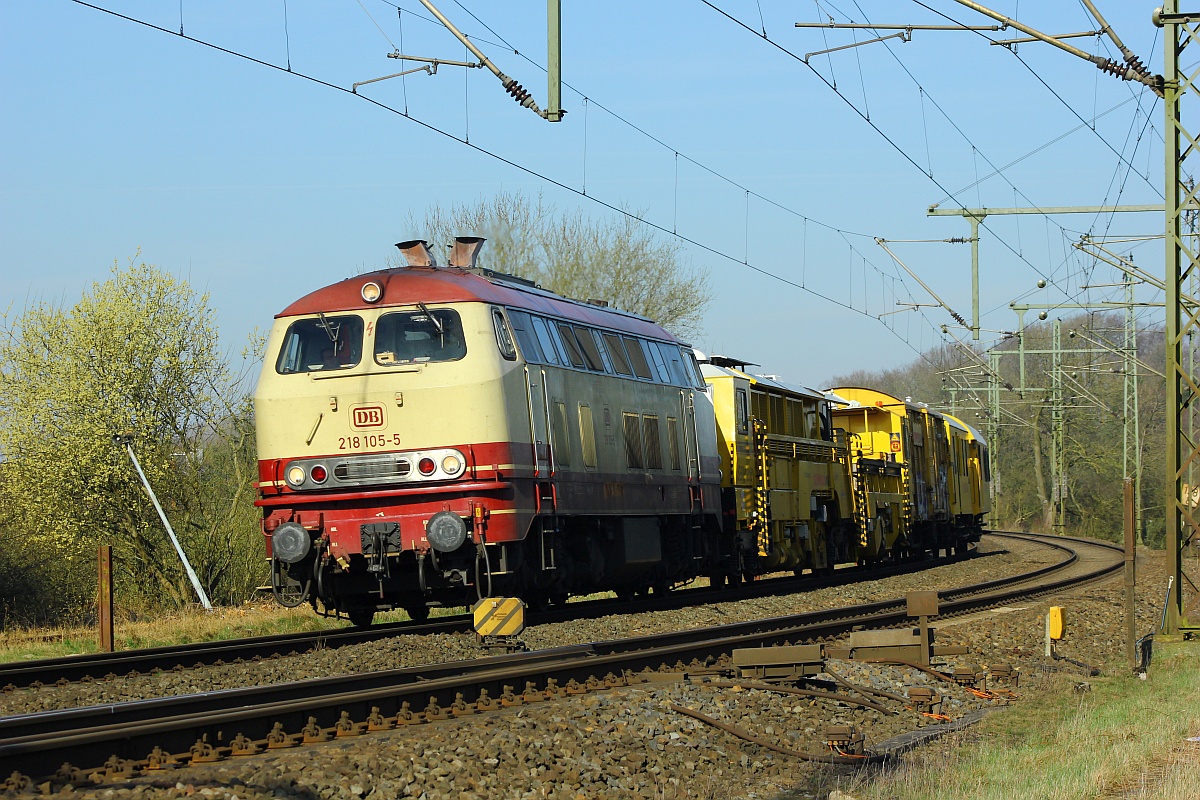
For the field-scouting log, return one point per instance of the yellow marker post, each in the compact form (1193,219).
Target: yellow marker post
(1055,626)
(499,616)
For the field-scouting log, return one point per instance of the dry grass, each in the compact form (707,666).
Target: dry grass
(1123,738)
(262,618)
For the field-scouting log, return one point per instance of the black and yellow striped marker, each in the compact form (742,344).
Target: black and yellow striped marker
(499,616)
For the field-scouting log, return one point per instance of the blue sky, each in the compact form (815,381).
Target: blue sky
(260,185)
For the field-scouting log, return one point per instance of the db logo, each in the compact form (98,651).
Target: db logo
(367,417)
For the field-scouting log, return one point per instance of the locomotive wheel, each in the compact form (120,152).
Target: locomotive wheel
(361,617)
(417,613)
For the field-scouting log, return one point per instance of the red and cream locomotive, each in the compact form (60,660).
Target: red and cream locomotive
(429,435)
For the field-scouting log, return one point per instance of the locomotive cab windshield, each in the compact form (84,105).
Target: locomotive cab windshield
(321,343)
(426,335)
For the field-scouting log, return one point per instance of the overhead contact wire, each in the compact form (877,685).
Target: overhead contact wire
(528,170)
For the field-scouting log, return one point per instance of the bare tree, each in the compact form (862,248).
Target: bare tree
(618,260)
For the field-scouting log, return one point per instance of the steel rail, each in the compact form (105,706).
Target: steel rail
(89,736)
(98,666)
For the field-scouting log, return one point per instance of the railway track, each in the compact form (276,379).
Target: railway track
(108,666)
(120,740)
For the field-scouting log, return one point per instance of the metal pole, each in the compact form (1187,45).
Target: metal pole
(1057,460)
(554,60)
(974,276)
(104,599)
(162,515)
(1021,345)
(994,437)
(1180,260)
(1130,621)
(1132,426)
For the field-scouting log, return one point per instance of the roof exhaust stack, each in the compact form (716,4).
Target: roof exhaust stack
(465,251)
(417,253)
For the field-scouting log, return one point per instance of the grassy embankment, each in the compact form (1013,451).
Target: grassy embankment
(263,618)
(1118,738)
(193,625)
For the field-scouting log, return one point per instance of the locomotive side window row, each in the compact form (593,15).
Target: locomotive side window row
(546,341)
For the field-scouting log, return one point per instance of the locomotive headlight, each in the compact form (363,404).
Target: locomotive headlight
(446,531)
(318,474)
(426,466)
(290,543)
(295,476)
(451,465)
(371,292)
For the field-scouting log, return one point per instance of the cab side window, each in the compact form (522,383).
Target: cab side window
(504,338)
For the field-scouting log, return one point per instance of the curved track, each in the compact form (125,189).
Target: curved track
(137,736)
(104,666)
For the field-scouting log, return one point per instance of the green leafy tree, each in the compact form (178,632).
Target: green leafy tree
(618,261)
(139,355)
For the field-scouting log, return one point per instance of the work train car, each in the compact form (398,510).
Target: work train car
(921,478)
(429,435)
(971,478)
(785,478)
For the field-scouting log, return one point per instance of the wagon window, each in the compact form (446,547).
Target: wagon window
(651,441)
(660,366)
(671,355)
(633,440)
(617,352)
(568,340)
(562,441)
(321,344)
(673,442)
(587,436)
(587,343)
(637,357)
(526,338)
(408,337)
(741,412)
(689,358)
(545,338)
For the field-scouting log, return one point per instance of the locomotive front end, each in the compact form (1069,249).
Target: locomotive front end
(385,454)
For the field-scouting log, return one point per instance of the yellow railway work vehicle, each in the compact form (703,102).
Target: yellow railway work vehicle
(971,477)
(936,463)
(785,483)
(878,478)
(918,439)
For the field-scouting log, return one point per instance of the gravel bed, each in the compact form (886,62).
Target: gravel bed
(1004,558)
(629,742)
